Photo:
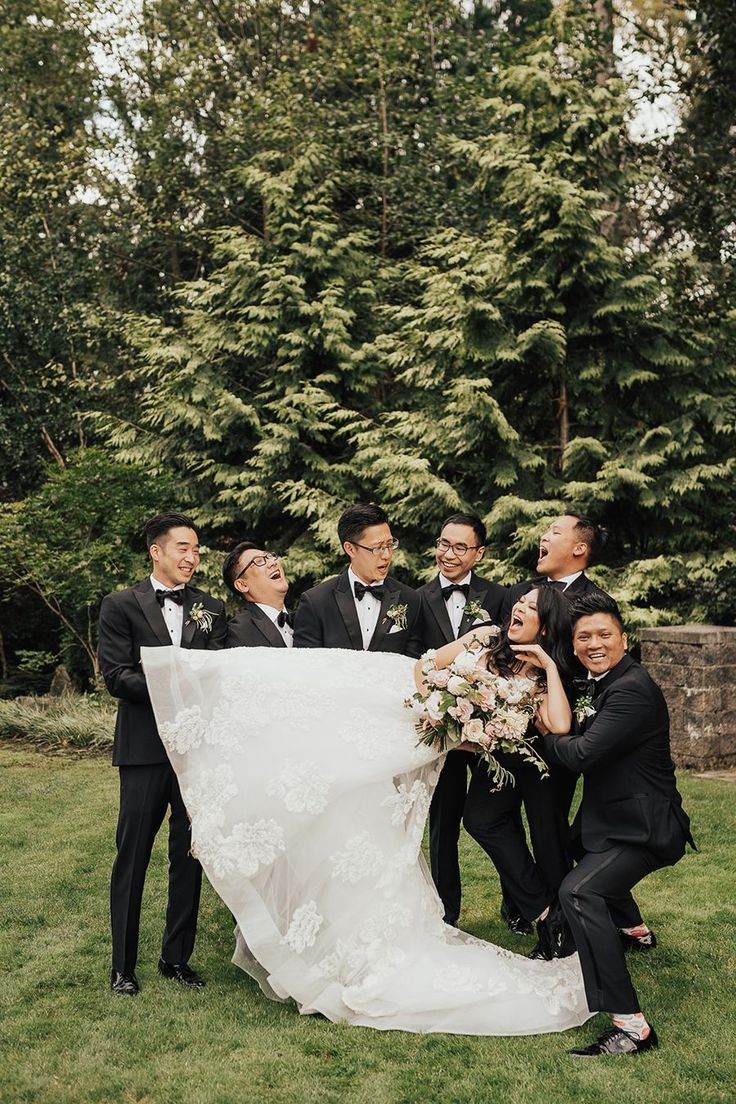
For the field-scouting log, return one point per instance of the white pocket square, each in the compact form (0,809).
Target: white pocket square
(395,628)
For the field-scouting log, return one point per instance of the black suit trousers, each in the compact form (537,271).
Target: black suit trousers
(592,896)
(445,817)
(493,819)
(145,794)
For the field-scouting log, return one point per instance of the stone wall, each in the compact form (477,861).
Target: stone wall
(696,667)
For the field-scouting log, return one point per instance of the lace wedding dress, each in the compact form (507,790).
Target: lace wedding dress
(308,798)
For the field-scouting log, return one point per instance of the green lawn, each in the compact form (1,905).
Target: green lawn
(65,1038)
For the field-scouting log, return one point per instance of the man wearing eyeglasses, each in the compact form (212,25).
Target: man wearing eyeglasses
(257,576)
(364,608)
(451,603)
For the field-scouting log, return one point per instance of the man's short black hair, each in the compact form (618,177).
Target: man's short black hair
(595,601)
(472,521)
(356,519)
(230,564)
(158,526)
(591,534)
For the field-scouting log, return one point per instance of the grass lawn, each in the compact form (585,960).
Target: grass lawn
(65,1039)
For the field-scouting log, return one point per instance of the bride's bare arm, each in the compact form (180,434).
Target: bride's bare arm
(475,638)
(554,708)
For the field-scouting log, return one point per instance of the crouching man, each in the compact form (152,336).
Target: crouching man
(631,817)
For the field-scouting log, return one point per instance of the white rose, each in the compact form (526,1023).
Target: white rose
(456,685)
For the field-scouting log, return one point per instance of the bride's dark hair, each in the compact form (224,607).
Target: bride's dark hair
(555,635)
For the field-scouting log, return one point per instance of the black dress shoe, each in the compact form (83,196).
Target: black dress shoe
(616,1041)
(638,942)
(514,921)
(179,971)
(554,938)
(124,984)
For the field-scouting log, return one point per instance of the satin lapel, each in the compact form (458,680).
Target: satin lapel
(266,628)
(476,593)
(188,627)
(438,606)
(391,597)
(346,606)
(146,599)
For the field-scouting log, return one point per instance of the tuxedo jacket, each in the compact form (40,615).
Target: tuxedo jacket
(327,618)
(132,619)
(623,752)
(252,628)
(577,588)
(436,625)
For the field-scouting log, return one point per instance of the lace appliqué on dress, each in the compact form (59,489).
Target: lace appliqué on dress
(185,732)
(302,787)
(360,859)
(304,927)
(245,850)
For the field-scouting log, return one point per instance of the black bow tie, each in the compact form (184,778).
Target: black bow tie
(173,596)
(557,585)
(285,618)
(464,589)
(377,590)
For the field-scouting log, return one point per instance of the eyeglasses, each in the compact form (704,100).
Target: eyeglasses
(443,545)
(389,546)
(258,561)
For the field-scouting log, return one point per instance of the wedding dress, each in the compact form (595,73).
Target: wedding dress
(308,798)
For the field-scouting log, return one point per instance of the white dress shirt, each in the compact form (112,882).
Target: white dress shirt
(173,614)
(456,602)
(286,631)
(566,579)
(367,609)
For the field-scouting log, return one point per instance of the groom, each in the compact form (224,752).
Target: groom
(162,610)
(257,576)
(451,603)
(364,608)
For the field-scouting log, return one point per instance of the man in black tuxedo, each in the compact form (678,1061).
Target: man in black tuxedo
(160,611)
(363,608)
(568,545)
(631,817)
(257,576)
(451,603)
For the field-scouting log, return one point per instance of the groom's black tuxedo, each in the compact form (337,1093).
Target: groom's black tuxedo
(631,822)
(252,628)
(326,618)
(129,620)
(448,800)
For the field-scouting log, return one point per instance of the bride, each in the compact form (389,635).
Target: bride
(308,797)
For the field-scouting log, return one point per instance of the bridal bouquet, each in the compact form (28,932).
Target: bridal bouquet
(465,702)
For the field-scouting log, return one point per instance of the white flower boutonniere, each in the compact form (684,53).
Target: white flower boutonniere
(201,617)
(474,609)
(398,615)
(584,707)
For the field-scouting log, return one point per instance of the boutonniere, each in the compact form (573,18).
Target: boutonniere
(201,617)
(398,615)
(584,707)
(474,609)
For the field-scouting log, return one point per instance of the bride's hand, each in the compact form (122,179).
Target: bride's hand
(534,654)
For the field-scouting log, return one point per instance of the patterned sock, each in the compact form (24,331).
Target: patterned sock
(640,929)
(633,1023)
